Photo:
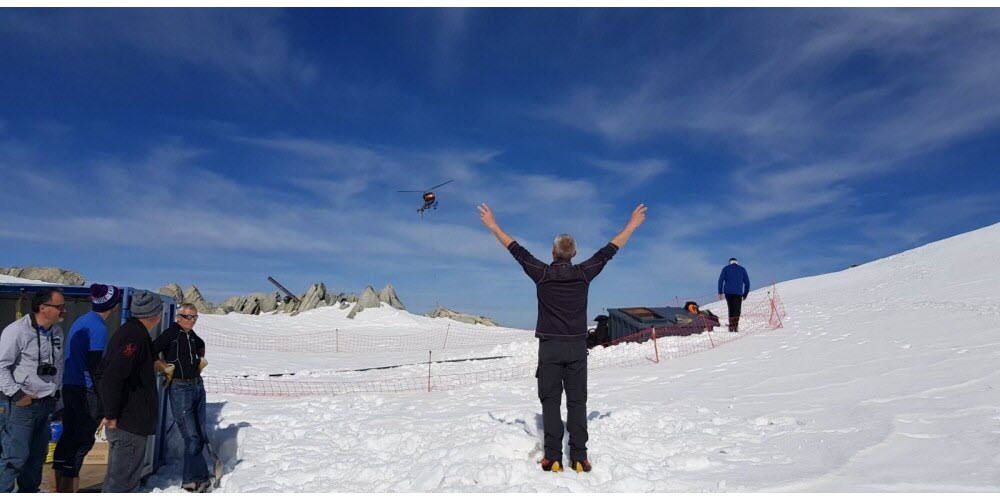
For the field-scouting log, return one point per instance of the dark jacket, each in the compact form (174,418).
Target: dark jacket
(183,350)
(562,291)
(128,380)
(734,280)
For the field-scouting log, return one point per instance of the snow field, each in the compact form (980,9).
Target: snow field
(883,379)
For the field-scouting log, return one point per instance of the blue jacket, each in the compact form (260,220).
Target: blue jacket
(734,280)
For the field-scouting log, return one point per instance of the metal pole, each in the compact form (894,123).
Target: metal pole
(446,336)
(430,355)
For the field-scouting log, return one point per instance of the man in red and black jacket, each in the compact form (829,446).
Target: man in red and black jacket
(129,393)
(561,328)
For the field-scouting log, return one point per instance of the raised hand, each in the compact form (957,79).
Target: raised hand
(486,215)
(638,216)
(636,220)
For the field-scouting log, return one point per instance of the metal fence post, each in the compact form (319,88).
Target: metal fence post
(656,350)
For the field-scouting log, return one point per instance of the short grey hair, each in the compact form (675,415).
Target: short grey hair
(564,247)
(189,306)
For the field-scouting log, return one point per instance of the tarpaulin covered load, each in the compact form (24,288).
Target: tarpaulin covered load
(669,321)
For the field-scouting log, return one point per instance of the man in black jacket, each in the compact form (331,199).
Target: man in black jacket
(182,348)
(561,328)
(128,392)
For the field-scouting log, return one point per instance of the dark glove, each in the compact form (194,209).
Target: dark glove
(745,297)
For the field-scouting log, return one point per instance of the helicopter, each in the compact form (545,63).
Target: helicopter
(430,200)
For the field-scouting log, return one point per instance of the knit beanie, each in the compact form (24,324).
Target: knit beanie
(104,297)
(145,304)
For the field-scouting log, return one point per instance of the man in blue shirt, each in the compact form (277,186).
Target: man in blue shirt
(81,407)
(734,284)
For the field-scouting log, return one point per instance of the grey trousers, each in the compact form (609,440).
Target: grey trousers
(125,456)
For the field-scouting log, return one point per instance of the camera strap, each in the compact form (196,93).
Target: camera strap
(38,341)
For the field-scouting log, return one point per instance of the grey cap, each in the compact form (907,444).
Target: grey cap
(145,304)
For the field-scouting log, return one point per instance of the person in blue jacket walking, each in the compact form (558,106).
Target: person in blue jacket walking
(734,286)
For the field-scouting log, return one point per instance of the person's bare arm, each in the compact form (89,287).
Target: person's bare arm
(487,217)
(638,216)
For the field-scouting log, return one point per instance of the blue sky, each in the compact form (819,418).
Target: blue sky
(217,147)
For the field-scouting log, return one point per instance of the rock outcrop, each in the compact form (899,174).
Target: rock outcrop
(46,274)
(173,290)
(388,295)
(369,299)
(194,296)
(316,296)
(313,298)
(443,312)
(269,302)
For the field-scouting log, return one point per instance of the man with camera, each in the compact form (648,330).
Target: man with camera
(31,367)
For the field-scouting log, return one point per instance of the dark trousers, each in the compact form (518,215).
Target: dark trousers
(562,365)
(735,303)
(126,454)
(25,436)
(81,416)
(187,403)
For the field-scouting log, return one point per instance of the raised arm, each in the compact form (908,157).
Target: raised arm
(487,217)
(638,216)
(534,268)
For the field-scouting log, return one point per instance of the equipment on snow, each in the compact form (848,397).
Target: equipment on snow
(289,296)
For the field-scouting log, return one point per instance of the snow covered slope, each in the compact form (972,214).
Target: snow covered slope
(883,379)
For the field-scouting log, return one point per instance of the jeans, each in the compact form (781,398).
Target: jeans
(562,365)
(126,454)
(25,437)
(187,404)
(81,416)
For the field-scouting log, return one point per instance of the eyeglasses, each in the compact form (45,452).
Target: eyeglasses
(189,317)
(61,307)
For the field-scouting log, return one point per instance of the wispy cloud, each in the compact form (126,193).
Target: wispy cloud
(445,53)
(815,105)
(246,45)
(633,173)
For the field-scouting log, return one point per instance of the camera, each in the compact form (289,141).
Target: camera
(47,370)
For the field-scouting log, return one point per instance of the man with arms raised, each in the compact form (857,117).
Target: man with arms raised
(562,289)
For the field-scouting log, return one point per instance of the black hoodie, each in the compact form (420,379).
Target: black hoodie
(128,380)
